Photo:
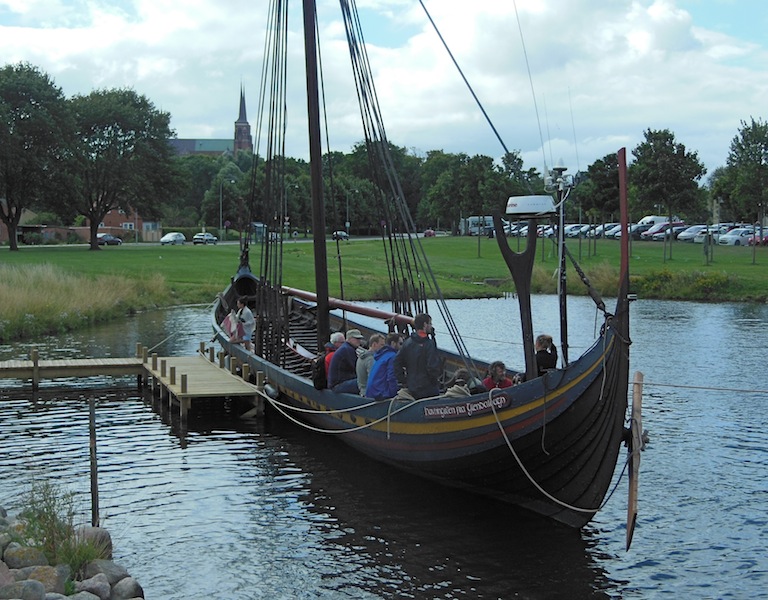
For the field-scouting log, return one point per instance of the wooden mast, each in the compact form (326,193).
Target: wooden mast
(316,174)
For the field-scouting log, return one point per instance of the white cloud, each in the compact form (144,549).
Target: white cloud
(606,71)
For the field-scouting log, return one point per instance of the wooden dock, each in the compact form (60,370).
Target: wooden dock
(177,379)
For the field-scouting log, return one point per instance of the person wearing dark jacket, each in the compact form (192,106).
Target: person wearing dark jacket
(546,354)
(417,364)
(342,375)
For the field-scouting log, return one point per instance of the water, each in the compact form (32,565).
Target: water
(262,509)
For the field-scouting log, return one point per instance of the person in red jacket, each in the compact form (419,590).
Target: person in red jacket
(497,376)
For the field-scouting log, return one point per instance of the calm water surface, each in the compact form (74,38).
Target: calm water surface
(262,509)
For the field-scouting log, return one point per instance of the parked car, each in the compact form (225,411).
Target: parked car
(205,237)
(688,234)
(106,239)
(614,232)
(714,230)
(572,230)
(601,230)
(340,235)
(756,239)
(736,237)
(668,233)
(658,228)
(429,232)
(173,238)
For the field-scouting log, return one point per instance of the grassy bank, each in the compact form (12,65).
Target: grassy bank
(47,289)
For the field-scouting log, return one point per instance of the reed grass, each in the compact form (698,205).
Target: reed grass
(42,299)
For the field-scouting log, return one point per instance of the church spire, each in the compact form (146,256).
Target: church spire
(243,139)
(242,118)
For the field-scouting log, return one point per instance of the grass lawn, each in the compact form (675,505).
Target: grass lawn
(463,266)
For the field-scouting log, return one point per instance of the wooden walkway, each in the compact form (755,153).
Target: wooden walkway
(178,379)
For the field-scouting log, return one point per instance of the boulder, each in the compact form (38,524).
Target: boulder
(127,589)
(6,576)
(97,585)
(113,571)
(23,590)
(99,537)
(17,556)
(5,539)
(52,578)
(83,596)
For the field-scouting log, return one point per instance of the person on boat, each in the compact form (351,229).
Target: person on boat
(342,376)
(382,382)
(417,364)
(546,354)
(365,360)
(337,339)
(497,376)
(244,316)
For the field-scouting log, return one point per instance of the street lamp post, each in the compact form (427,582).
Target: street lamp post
(221,208)
(346,224)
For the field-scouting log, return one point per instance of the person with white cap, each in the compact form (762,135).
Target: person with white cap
(342,374)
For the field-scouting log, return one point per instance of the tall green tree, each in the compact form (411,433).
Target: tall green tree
(747,166)
(599,194)
(665,173)
(122,158)
(35,127)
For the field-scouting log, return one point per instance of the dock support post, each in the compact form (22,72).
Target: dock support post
(233,365)
(154,361)
(138,349)
(144,353)
(35,356)
(183,383)
(211,351)
(246,371)
(172,376)
(221,359)
(202,348)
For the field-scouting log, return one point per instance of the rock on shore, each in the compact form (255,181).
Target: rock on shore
(26,575)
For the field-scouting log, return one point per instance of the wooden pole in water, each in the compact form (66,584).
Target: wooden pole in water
(35,356)
(94,464)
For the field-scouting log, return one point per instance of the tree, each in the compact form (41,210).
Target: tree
(599,194)
(665,173)
(35,126)
(122,158)
(747,166)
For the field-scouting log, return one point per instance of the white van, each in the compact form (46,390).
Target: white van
(653,220)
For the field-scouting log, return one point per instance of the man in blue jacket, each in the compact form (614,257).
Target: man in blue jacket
(382,382)
(417,364)
(342,375)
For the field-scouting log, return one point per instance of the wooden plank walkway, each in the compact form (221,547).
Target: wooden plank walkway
(179,379)
(70,367)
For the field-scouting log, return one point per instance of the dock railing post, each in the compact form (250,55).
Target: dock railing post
(154,361)
(173,376)
(138,349)
(211,354)
(35,356)
(202,347)
(221,359)
(246,371)
(233,365)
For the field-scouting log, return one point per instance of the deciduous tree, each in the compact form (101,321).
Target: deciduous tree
(35,127)
(122,157)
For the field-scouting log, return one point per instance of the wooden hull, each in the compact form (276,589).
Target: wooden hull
(549,445)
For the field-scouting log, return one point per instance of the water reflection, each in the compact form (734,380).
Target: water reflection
(263,509)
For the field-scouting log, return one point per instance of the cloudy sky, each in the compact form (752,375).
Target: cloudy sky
(601,71)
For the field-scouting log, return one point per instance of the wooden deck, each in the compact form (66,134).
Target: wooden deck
(179,379)
(73,367)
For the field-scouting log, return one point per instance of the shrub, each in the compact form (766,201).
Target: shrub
(48,523)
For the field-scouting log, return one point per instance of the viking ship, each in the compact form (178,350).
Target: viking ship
(549,444)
